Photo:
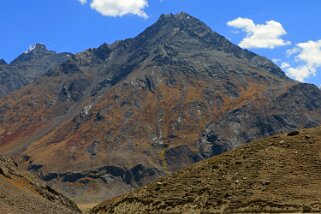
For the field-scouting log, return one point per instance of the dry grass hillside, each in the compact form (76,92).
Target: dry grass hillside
(277,174)
(21,193)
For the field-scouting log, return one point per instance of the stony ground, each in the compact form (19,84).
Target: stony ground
(21,192)
(277,174)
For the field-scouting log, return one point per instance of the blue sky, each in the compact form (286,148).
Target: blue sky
(292,39)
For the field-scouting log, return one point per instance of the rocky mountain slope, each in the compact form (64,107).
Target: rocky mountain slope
(28,67)
(113,118)
(279,174)
(21,192)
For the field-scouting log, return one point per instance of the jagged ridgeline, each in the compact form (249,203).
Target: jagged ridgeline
(104,121)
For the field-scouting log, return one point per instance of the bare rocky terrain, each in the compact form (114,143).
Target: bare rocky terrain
(279,174)
(21,193)
(110,119)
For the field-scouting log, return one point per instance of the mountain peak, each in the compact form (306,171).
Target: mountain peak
(181,15)
(35,51)
(183,19)
(3,62)
(173,29)
(36,47)
(171,25)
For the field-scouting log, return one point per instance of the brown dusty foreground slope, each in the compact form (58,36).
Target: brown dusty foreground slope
(277,174)
(21,192)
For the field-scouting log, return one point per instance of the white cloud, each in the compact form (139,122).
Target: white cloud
(292,51)
(83,2)
(120,7)
(300,73)
(266,35)
(309,55)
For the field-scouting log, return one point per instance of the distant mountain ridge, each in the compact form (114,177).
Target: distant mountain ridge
(28,67)
(109,119)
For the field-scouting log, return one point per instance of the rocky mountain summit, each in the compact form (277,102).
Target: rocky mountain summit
(279,174)
(21,192)
(28,67)
(110,119)
(2,62)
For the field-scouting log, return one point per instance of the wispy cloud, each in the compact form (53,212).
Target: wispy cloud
(292,51)
(266,35)
(83,2)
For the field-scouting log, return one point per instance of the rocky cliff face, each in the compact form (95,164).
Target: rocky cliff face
(265,176)
(21,192)
(173,95)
